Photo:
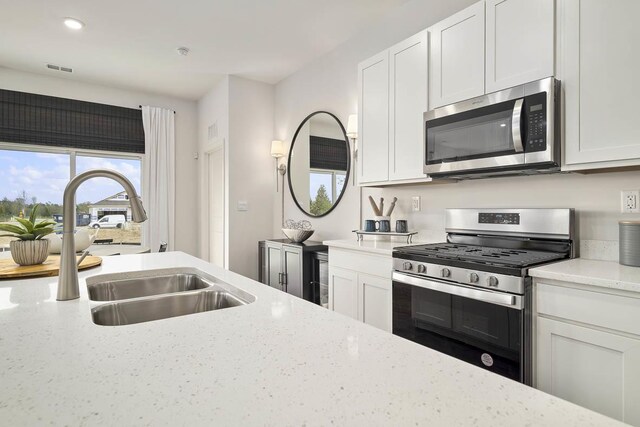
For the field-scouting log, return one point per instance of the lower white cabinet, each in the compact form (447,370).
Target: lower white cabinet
(374,301)
(591,368)
(360,286)
(580,357)
(343,291)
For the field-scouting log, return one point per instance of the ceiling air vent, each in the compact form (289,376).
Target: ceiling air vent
(59,68)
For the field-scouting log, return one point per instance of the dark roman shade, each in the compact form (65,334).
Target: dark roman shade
(328,153)
(27,118)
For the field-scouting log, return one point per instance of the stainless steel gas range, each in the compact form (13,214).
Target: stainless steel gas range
(470,297)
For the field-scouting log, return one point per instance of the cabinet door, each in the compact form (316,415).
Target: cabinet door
(374,301)
(520,42)
(292,270)
(409,73)
(343,291)
(273,265)
(599,69)
(262,263)
(592,368)
(373,119)
(457,57)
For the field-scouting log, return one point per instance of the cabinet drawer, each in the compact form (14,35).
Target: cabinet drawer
(615,312)
(376,265)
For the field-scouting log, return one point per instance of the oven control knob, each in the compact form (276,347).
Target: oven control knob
(474,278)
(407,265)
(422,268)
(445,272)
(492,281)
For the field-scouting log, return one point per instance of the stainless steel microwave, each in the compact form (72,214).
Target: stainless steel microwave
(510,132)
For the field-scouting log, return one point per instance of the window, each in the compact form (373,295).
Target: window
(29,176)
(325,186)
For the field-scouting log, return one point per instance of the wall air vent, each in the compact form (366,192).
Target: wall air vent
(59,68)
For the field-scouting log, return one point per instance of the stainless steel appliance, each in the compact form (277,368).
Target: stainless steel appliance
(513,131)
(470,297)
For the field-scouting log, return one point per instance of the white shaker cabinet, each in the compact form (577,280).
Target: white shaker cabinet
(588,348)
(408,83)
(360,286)
(373,119)
(374,301)
(599,67)
(520,42)
(392,87)
(343,291)
(457,57)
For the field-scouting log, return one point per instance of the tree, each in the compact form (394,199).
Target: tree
(322,203)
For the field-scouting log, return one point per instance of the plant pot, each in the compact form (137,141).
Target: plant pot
(29,252)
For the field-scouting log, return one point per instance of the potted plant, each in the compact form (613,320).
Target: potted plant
(30,248)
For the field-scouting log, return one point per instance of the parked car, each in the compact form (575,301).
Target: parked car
(82,219)
(109,221)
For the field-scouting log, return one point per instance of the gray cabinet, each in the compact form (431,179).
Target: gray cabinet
(288,266)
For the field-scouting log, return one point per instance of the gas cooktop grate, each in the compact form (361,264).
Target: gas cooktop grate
(482,254)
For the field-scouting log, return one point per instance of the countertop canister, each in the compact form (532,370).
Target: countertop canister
(630,243)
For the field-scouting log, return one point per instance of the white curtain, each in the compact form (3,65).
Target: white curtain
(158,177)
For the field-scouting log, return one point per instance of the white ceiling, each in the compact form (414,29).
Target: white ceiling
(132,43)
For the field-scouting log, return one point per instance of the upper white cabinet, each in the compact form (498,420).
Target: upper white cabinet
(520,42)
(457,57)
(599,67)
(409,62)
(373,118)
(392,99)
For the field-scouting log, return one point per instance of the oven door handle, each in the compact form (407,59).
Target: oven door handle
(497,298)
(516,132)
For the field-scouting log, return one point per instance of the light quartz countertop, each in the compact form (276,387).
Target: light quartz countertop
(375,246)
(605,274)
(277,361)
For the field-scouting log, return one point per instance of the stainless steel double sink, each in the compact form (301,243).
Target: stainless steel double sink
(129,298)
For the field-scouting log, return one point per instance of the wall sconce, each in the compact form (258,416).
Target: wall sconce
(352,132)
(277,151)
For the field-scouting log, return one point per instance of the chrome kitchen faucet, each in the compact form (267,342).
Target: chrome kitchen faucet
(68,286)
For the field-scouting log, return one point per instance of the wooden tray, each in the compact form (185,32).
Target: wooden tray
(11,270)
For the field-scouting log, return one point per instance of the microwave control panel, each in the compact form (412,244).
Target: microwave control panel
(536,118)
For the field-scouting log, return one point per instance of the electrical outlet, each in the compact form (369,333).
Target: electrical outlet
(629,201)
(415,203)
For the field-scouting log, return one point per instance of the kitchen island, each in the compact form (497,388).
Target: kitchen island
(276,361)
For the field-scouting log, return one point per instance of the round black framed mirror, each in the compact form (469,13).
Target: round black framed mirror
(319,164)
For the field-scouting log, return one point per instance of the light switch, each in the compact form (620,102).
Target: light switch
(243,206)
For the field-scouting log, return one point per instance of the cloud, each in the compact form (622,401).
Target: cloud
(45,175)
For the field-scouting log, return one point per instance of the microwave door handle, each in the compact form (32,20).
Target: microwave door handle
(516,132)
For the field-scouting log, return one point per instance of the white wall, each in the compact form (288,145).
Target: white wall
(242,109)
(251,171)
(330,83)
(213,110)
(186,139)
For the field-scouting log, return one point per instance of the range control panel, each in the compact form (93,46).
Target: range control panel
(536,114)
(499,218)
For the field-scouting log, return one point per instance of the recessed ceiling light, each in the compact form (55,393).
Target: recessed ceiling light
(73,23)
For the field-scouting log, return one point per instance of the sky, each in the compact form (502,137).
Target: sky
(45,175)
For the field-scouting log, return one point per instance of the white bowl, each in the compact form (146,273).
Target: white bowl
(297,236)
